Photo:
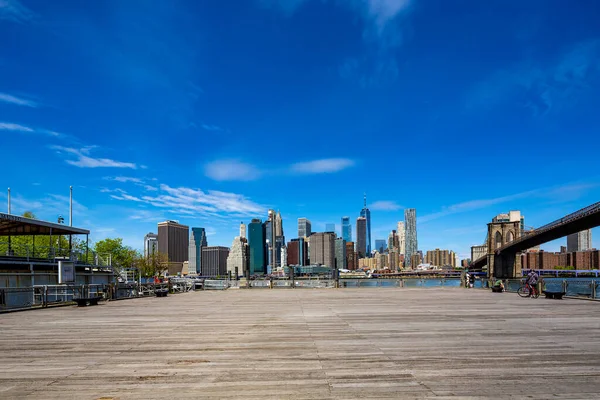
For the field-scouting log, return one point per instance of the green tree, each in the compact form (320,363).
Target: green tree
(154,265)
(121,256)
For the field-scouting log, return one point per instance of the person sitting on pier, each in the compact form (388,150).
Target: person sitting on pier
(498,286)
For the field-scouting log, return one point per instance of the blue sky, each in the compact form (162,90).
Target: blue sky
(212,112)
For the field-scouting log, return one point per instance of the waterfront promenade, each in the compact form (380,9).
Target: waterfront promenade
(305,344)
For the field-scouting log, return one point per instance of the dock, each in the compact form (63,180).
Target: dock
(306,344)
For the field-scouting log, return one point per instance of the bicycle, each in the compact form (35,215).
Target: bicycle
(526,289)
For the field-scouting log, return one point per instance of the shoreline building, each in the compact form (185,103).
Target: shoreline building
(441,258)
(237,260)
(304,228)
(410,221)
(340,253)
(361,237)
(351,256)
(346,229)
(173,241)
(256,245)
(197,242)
(150,244)
(380,245)
(297,252)
(243,230)
(401,232)
(322,249)
(580,241)
(366,213)
(214,260)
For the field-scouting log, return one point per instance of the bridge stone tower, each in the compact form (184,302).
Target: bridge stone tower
(503,229)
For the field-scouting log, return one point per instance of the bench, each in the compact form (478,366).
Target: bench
(87,301)
(553,295)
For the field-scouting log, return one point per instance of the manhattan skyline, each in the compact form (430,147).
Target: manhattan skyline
(165,112)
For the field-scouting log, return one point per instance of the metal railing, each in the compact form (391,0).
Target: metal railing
(12,298)
(581,288)
(29,252)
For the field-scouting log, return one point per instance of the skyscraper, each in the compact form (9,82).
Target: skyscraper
(351,256)
(278,225)
(393,241)
(361,237)
(242,230)
(380,245)
(304,228)
(214,260)
(410,220)
(256,244)
(271,248)
(329,227)
(346,229)
(279,240)
(401,233)
(237,261)
(580,241)
(297,252)
(322,249)
(283,256)
(150,244)
(173,241)
(197,242)
(367,215)
(340,253)
(267,243)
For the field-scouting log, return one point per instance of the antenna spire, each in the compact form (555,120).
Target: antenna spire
(365,200)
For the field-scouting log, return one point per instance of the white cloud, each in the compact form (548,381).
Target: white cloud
(182,200)
(125,196)
(385,205)
(13,10)
(383,11)
(562,193)
(541,88)
(7,126)
(8,98)
(235,170)
(147,216)
(125,179)
(213,128)
(83,160)
(327,165)
(231,170)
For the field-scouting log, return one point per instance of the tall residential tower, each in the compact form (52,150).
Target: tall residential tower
(410,220)
(580,241)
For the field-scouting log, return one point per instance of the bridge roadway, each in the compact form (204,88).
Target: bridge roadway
(306,344)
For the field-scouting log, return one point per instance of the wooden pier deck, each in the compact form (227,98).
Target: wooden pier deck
(306,344)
